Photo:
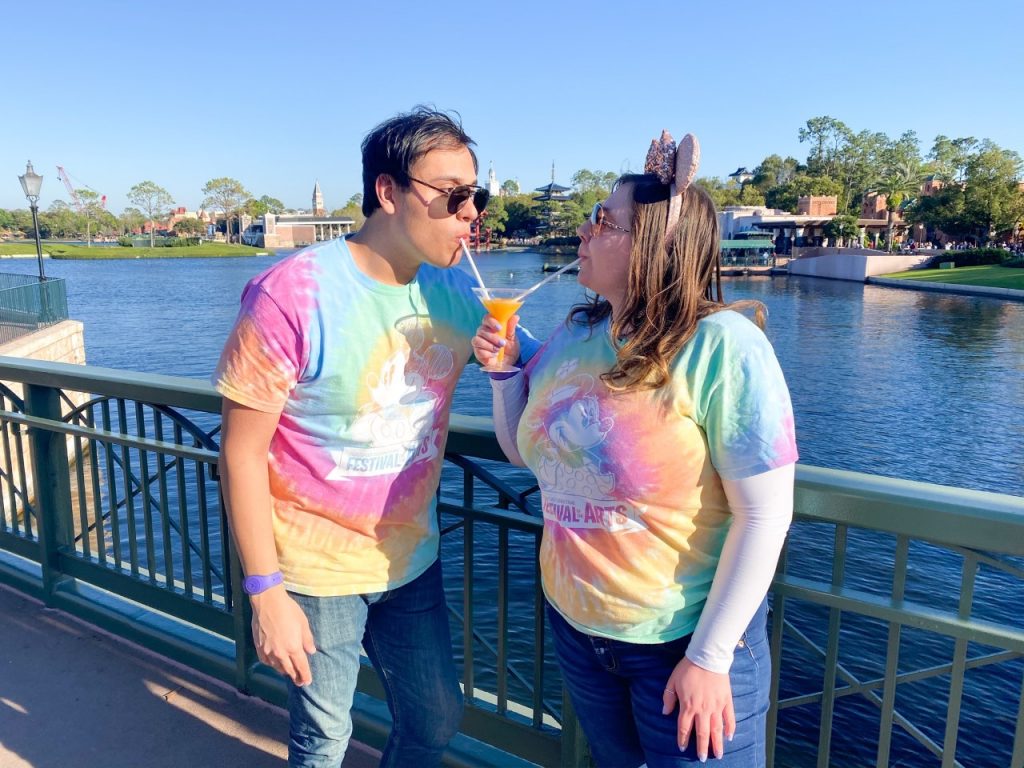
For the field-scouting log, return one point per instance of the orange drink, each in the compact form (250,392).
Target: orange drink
(501,304)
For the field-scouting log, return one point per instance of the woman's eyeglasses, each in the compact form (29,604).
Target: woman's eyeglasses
(599,219)
(460,195)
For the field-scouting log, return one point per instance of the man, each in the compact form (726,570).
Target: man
(337,383)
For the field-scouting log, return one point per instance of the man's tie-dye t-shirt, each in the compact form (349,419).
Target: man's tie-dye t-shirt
(635,515)
(362,374)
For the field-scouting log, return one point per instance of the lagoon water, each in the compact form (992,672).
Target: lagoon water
(911,385)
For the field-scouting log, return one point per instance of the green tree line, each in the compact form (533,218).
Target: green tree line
(976,191)
(975,185)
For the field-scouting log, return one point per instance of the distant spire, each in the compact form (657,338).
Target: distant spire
(492,182)
(318,200)
(552,171)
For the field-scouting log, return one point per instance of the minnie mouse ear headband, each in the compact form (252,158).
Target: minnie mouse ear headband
(676,166)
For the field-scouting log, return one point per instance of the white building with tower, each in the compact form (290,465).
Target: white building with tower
(492,182)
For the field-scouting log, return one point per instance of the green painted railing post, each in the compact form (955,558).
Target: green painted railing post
(241,612)
(51,480)
(575,752)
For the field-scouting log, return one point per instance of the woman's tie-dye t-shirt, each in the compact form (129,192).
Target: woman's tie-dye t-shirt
(362,374)
(635,515)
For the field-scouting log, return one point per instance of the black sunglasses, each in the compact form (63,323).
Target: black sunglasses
(599,219)
(460,195)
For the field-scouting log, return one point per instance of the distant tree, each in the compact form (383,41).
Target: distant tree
(566,217)
(750,195)
(842,229)
(154,201)
(131,220)
(785,197)
(586,180)
(723,193)
(586,200)
(226,195)
(859,160)
(21,222)
(497,216)
(189,227)
(827,136)
(265,204)
(898,182)
(254,208)
(523,216)
(91,210)
(273,205)
(949,157)
(993,201)
(353,209)
(510,187)
(943,211)
(61,219)
(774,172)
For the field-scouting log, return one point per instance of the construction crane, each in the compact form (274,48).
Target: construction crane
(76,201)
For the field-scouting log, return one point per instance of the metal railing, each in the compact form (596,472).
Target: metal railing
(128,506)
(28,304)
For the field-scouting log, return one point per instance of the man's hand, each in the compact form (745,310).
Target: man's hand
(705,706)
(281,633)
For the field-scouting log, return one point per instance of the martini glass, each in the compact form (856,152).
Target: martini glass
(501,303)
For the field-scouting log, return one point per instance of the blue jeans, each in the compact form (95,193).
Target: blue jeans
(616,690)
(405,633)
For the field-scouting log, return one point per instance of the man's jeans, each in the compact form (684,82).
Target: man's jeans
(616,690)
(405,633)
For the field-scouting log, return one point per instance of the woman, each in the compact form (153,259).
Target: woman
(660,428)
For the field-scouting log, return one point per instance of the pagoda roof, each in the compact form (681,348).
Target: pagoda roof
(552,187)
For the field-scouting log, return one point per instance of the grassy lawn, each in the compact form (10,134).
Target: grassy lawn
(990,276)
(61,251)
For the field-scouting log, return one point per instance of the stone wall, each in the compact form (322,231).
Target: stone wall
(852,263)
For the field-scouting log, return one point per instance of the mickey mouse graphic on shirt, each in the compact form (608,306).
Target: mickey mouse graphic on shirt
(573,428)
(396,427)
(578,491)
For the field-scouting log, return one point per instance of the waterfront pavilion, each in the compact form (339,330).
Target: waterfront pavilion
(295,230)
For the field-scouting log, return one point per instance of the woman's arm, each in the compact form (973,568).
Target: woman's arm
(509,400)
(762,508)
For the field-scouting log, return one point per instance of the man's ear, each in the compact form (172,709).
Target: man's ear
(386,189)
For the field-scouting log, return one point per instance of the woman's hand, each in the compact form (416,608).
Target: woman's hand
(488,341)
(705,706)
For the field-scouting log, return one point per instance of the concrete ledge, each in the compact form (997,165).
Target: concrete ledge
(852,264)
(965,290)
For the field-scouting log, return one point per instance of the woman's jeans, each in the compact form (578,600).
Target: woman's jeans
(405,633)
(616,689)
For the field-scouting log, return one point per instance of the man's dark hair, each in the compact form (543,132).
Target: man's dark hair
(394,145)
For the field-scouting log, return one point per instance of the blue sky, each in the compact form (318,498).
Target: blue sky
(278,95)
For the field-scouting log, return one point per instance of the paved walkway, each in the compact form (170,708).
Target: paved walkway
(73,696)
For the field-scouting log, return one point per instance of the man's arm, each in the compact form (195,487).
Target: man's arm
(279,627)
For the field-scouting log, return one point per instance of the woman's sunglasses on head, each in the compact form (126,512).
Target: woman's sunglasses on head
(460,195)
(599,219)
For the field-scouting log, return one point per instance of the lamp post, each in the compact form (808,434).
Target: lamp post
(32,182)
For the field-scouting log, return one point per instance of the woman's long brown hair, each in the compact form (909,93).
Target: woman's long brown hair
(669,289)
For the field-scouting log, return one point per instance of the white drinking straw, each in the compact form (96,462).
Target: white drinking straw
(480,280)
(549,278)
